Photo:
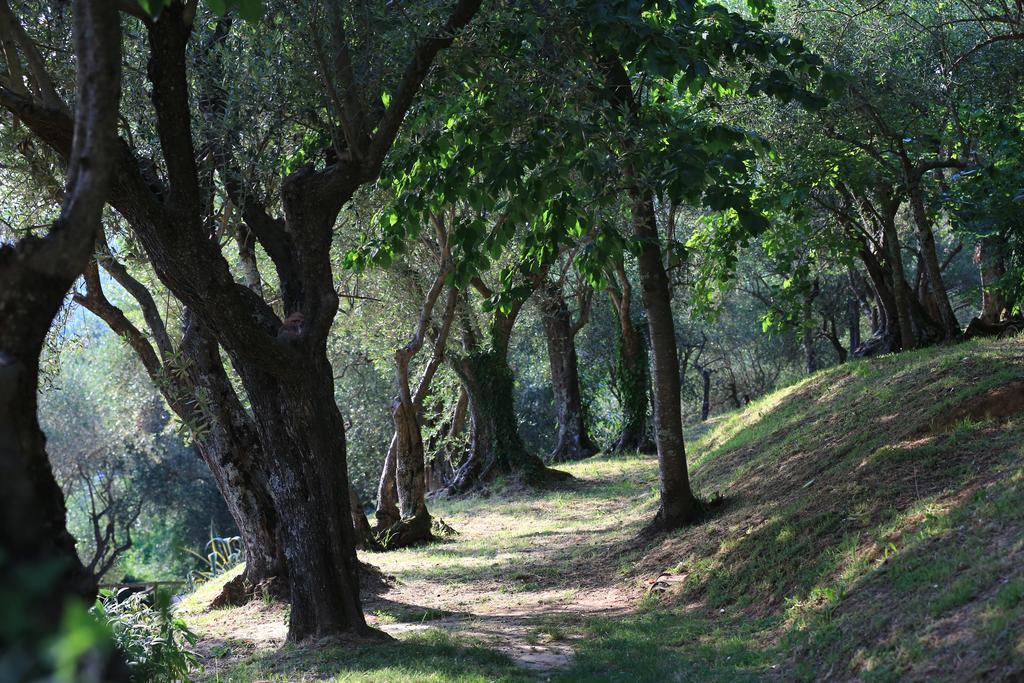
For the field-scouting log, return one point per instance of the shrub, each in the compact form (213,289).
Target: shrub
(156,644)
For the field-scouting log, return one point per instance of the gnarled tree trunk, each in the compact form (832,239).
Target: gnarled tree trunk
(232,449)
(573,441)
(35,275)
(227,441)
(413,524)
(495,444)
(300,424)
(950,327)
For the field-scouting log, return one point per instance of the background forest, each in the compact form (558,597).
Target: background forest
(421,251)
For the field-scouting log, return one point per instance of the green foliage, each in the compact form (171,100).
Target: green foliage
(156,644)
(31,648)
(250,10)
(81,637)
(105,421)
(222,555)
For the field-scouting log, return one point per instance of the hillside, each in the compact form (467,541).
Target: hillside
(871,526)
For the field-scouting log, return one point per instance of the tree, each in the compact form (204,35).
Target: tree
(573,442)
(282,364)
(632,376)
(645,73)
(196,387)
(402,514)
(35,275)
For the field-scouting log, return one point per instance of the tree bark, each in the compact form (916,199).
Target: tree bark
(232,449)
(573,441)
(705,405)
(678,504)
(35,275)
(299,422)
(495,445)
(414,524)
(632,377)
(387,513)
(900,290)
(886,337)
(988,255)
(933,271)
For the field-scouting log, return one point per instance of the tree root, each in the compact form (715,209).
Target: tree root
(406,532)
(240,590)
(704,510)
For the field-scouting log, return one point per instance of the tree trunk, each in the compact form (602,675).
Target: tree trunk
(495,445)
(231,448)
(413,525)
(408,459)
(678,504)
(441,469)
(853,322)
(365,539)
(705,405)
(205,401)
(831,332)
(988,255)
(886,337)
(632,376)
(387,491)
(573,441)
(40,571)
(299,422)
(900,290)
(926,239)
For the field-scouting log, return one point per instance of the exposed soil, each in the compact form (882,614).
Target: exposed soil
(506,602)
(995,404)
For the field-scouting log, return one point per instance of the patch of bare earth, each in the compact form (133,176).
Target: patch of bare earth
(565,572)
(557,571)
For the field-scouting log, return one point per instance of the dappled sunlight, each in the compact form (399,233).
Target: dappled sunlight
(822,533)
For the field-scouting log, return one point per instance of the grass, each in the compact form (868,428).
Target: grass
(862,536)
(430,656)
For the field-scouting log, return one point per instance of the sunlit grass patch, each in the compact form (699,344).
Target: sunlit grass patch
(199,599)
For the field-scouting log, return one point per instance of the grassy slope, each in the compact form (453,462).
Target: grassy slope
(862,537)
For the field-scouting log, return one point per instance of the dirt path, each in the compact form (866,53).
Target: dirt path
(525,628)
(522,573)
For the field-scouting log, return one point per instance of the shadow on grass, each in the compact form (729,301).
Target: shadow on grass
(430,655)
(669,646)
